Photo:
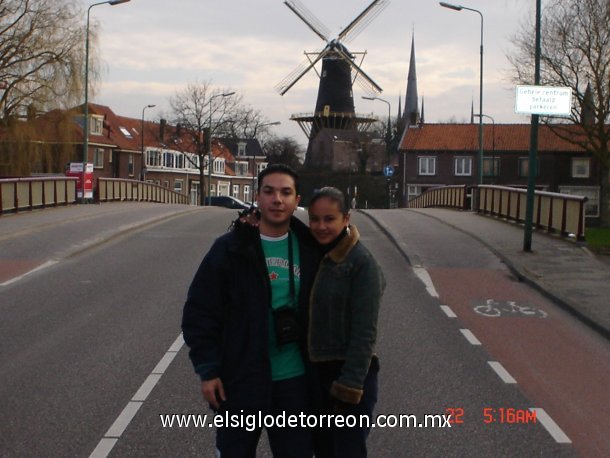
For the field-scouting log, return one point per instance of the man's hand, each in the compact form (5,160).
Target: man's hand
(213,392)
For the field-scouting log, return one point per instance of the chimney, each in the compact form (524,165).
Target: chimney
(162,124)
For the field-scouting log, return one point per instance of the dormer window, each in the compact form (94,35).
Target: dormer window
(241,149)
(96,125)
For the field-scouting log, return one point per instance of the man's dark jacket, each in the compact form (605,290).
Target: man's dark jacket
(226,315)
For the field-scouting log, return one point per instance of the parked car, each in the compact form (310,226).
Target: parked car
(229,202)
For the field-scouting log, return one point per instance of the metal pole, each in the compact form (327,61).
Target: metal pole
(143,171)
(532,166)
(480,161)
(209,145)
(86,108)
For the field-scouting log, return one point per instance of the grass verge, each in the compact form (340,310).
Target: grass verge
(598,239)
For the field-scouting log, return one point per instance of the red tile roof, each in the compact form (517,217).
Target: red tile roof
(501,137)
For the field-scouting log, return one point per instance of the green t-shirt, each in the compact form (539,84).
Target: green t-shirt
(286,361)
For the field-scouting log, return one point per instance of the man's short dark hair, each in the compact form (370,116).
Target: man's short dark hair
(279,168)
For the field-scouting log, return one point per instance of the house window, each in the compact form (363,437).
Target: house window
(247,197)
(168,160)
(524,168)
(98,158)
(463,166)
(213,189)
(125,132)
(236,190)
(178,186)
(219,167)
(130,165)
(427,165)
(96,126)
(241,149)
(223,188)
(491,166)
(241,168)
(590,192)
(179,161)
(581,168)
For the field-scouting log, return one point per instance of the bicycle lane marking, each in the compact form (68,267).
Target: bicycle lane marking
(118,427)
(528,346)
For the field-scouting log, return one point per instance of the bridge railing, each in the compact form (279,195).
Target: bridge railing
(563,214)
(18,194)
(442,196)
(116,189)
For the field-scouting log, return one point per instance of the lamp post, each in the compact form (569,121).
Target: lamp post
(493,130)
(143,171)
(460,8)
(209,144)
(275,123)
(389,130)
(86,110)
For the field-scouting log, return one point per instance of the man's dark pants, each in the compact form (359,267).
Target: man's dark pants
(289,396)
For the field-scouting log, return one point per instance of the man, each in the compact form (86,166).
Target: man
(244,297)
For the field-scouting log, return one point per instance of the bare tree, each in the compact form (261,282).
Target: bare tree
(575,52)
(41,55)
(202,113)
(284,150)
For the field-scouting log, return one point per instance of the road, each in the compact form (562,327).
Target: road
(91,354)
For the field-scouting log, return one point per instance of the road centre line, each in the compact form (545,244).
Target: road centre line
(450,313)
(470,337)
(424,276)
(549,424)
(36,269)
(502,373)
(106,444)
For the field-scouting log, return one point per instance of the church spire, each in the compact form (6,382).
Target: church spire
(411,111)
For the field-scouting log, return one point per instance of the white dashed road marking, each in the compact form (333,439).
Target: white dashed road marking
(553,428)
(115,431)
(470,337)
(502,373)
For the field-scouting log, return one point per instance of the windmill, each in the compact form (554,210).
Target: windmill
(335,103)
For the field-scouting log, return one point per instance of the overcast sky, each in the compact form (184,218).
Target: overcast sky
(152,48)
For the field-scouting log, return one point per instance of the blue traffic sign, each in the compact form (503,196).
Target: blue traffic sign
(388,170)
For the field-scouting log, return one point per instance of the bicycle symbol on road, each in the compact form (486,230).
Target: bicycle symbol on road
(495,309)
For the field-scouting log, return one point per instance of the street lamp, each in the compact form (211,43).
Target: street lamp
(275,123)
(86,121)
(389,131)
(460,8)
(209,144)
(143,171)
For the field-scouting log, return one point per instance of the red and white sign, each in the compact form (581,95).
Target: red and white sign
(76,170)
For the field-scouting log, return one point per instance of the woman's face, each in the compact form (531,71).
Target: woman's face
(326,220)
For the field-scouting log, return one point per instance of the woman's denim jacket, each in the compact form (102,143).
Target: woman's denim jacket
(344,305)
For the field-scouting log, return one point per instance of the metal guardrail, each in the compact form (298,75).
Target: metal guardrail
(18,194)
(116,189)
(442,196)
(563,214)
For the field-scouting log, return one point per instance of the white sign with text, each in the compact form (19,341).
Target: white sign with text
(543,100)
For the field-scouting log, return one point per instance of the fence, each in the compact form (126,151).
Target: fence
(445,196)
(29,193)
(113,189)
(560,213)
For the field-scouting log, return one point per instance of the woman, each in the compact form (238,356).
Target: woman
(342,330)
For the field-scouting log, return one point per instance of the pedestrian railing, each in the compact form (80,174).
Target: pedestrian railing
(116,189)
(18,194)
(563,214)
(442,196)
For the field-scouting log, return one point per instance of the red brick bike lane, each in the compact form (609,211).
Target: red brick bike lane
(559,363)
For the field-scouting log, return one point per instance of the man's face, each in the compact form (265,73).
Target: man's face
(277,199)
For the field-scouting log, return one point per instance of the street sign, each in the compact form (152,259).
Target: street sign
(543,100)
(388,170)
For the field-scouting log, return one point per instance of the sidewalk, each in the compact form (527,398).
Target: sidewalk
(561,269)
